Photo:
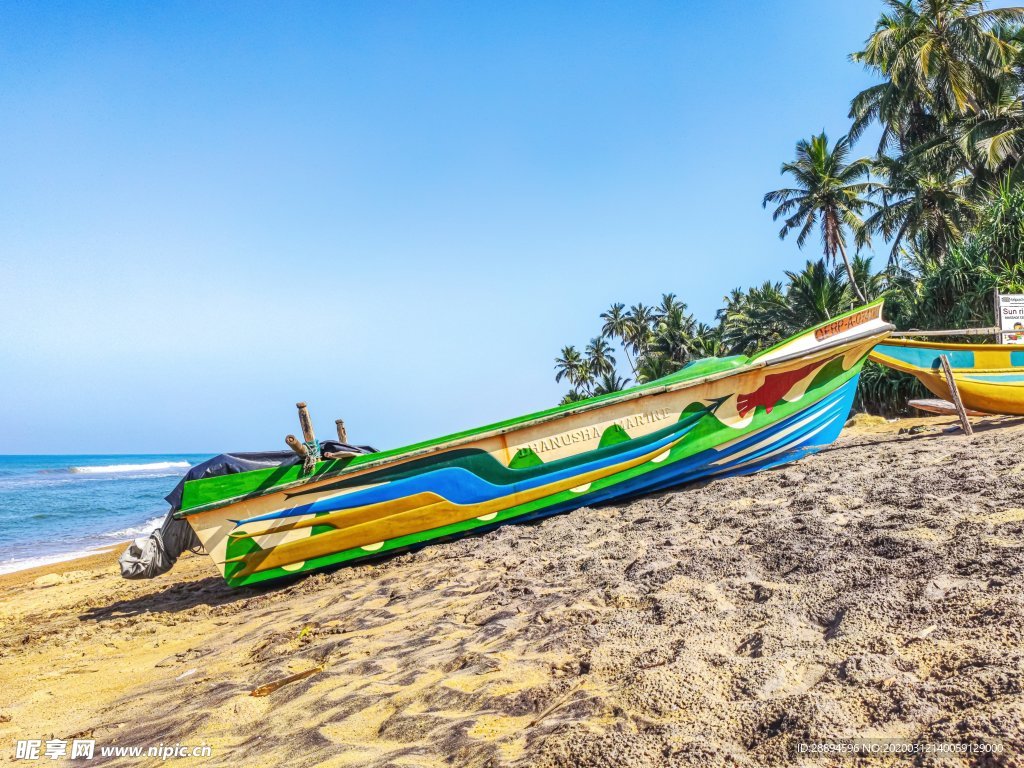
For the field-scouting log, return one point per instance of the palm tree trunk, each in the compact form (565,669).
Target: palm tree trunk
(625,348)
(849,272)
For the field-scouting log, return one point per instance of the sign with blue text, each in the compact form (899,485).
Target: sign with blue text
(1010,317)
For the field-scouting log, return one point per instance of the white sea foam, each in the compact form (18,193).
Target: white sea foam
(134,532)
(24,563)
(114,468)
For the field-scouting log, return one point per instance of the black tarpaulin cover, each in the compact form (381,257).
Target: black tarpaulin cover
(157,553)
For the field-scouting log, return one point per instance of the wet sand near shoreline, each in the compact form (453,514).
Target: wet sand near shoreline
(875,589)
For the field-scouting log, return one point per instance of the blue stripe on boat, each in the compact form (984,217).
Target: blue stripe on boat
(928,359)
(998,378)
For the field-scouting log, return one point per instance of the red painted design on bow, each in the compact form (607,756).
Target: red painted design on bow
(774,387)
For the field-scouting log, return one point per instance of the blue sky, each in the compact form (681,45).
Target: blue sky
(398,212)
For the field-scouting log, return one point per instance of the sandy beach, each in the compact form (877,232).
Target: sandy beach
(872,590)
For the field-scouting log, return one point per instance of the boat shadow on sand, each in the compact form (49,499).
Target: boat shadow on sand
(175,598)
(214,592)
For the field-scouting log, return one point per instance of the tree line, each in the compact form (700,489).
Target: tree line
(942,193)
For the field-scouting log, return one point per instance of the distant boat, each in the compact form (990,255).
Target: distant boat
(714,417)
(990,377)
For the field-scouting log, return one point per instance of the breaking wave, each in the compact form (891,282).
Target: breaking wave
(116,468)
(24,563)
(135,531)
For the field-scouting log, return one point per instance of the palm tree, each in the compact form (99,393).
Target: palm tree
(638,329)
(756,319)
(816,294)
(609,382)
(673,337)
(994,136)
(707,341)
(829,193)
(615,320)
(951,87)
(957,292)
(1000,228)
(874,284)
(572,396)
(654,367)
(939,55)
(599,356)
(731,304)
(669,303)
(571,366)
(616,323)
(905,121)
(921,205)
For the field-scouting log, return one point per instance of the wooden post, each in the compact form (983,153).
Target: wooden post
(305,423)
(342,432)
(955,392)
(296,445)
(993,331)
(999,319)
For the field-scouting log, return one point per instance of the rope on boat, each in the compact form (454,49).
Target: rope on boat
(312,456)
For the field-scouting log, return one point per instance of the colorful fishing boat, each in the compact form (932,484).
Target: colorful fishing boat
(989,377)
(714,417)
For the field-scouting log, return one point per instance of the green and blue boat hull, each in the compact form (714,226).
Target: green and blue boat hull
(718,418)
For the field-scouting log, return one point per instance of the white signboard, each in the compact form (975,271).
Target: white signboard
(1010,317)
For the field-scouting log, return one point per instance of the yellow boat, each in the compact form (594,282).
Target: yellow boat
(990,377)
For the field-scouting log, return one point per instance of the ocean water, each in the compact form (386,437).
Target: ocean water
(54,508)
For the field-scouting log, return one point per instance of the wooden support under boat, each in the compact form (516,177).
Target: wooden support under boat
(957,402)
(941,407)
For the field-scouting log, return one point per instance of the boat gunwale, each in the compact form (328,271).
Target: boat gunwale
(757,362)
(1019,370)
